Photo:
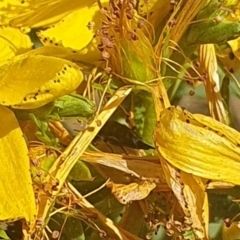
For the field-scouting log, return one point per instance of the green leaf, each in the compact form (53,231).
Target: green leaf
(44,133)
(137,60)
(41,113)
(80,172)
(144,115)
(3,234)
(72,228)
(214,33)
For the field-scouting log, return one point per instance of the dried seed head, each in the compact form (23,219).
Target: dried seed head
(218,19)
(102,234)
(55,234)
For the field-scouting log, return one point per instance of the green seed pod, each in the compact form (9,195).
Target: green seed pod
(74,105)
(209,32)
(214,30)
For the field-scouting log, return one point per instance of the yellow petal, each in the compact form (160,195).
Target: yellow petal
(6,52)
(235,44)
(17,196)
(73,30)
(76,33)
(31,81)
(35,13)
(88,54)
(199,145)
(13,42)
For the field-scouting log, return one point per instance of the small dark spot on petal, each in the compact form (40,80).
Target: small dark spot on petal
(63,72)
(90,129)
(231,70)
(187,121)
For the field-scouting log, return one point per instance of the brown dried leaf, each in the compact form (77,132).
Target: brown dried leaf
(191,195)
(131,192)
(140,167)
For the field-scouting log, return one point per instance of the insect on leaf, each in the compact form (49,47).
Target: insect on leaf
(199,145)
(17,196)
(31,81)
